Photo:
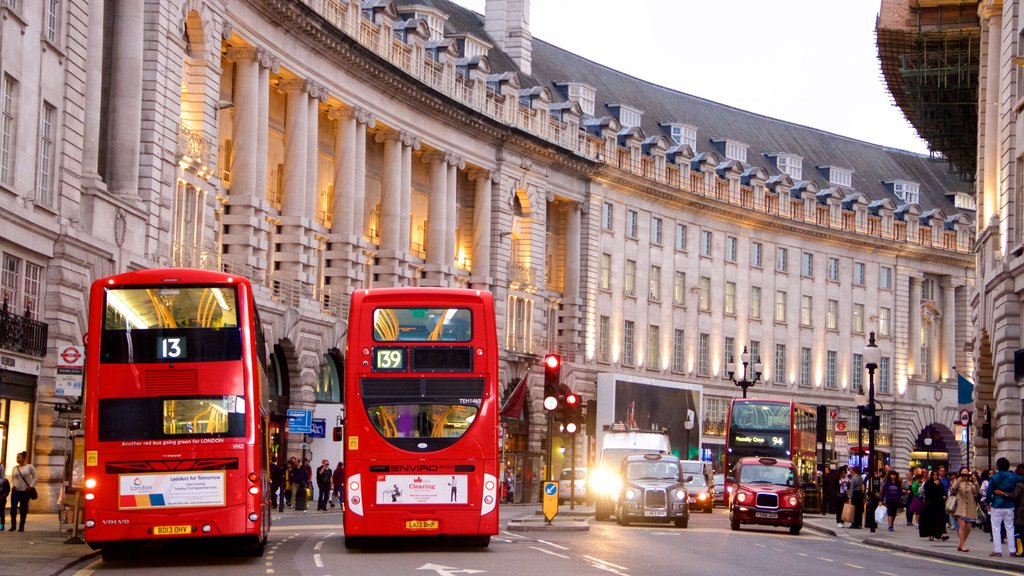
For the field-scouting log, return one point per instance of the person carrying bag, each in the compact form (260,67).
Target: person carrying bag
(23,489)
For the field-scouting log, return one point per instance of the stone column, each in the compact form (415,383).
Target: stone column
(293,202)
(404,240)
(948,356)
(989,205)
(246,118)
(481,273)
(346,255)
(344,172)
(268,65)
(390,193)
(571,285)
(317,95)
(93,95)
(125,99)
(436,210)
(914,326)
(364,121)
(452,208)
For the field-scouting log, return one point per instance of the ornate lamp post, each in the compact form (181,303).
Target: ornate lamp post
(745,362)
(872,357)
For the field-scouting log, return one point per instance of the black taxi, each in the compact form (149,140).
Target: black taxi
(653,490)
(766,492)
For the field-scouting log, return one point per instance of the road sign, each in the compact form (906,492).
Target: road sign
(70,367)
(550,504)
(965,417)
(300,421)
(318,428)
(64,407)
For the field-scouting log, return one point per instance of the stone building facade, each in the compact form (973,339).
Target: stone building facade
(319,146)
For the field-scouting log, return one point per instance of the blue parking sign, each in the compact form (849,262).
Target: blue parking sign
(318,428)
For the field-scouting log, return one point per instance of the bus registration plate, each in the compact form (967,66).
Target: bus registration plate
(171,530)
(767,515)
(422,524)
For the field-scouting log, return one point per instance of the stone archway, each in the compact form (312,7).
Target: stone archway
(936,445)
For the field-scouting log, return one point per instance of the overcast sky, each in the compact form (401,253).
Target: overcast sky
(811,62)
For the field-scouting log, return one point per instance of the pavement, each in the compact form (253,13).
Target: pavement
(43,550)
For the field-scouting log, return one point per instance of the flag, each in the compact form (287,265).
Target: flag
(965,389)
(512,407)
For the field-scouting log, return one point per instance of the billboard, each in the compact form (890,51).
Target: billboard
(648,403)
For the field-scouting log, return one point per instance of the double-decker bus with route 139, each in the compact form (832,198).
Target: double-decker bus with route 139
(175,412)
(421,402)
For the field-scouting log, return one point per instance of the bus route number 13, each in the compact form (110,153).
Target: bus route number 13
(171,348)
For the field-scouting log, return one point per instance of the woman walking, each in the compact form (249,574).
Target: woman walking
(23,478)
(933,515)
(891,496)
(965,490)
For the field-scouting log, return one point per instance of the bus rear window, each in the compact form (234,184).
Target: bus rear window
(122,419)
(422,325)
(175,307)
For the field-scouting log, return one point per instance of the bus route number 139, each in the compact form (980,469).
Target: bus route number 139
(171,348)
(389,359)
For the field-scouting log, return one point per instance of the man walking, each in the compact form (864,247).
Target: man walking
(1000,495)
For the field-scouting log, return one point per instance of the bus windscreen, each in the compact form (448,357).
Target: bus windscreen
(422,325)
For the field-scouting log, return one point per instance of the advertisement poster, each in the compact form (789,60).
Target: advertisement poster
(649,404)
(422,489)
(171,490)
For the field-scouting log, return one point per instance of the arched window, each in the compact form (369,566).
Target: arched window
(328,385)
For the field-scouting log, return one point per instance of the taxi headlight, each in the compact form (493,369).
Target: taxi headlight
(793,501)
(680,494)
(605,483)
(741,497)
(632,494)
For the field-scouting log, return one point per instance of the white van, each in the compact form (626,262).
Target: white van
(565,487)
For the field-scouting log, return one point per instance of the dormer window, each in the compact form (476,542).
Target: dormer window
(908,192)
(683,134)
(435,22)
(840,176)
(629,117)
(470,46)
(964,201)
(789,164)
(731,149)
(581,94)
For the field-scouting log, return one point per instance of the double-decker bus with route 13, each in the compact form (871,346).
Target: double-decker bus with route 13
(175,412)
(421,402)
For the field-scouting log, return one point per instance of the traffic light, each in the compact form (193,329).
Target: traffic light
(552,380)
(570,410)
(869,420)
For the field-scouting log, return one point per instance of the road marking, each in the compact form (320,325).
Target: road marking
(605,562)
(825,559)
(801,554)
(853,566)
(888,574)
(318,545)
(552,544)
(779,549)
(318,561)
(546,551)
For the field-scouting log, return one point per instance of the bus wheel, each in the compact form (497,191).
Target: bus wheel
(795,530)
(256,547)
(478,541)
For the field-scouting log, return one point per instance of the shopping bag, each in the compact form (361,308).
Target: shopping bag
(847,515)
(916,505)
(950,505)
(880,514)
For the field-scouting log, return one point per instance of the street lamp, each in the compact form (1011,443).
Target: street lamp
(872,357)
(745,362)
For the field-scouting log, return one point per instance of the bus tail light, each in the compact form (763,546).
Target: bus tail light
(355,494)
(90,483)
(90,523)
(490,498)
(253,517)
(254,490)
(253,477)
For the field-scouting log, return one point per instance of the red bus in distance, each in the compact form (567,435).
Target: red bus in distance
(175,410)
(421,398)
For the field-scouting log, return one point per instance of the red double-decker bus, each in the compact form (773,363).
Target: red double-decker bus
(778,429)
(421,399)
(176,421)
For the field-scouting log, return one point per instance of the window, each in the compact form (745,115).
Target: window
(805,366)
(885,278)
(50,27)
(909,192)
(703,353)
(678,346)
(629,117)
(604,338)
(704,303)
(792,165)
(735,151)
(832,315)
(606,271)
(858,273)
(833,269)
(858,373)
(730,352)
(656,230)
(780,363)
(831,358)
(808,264)
(653,347)
(520,311)
(627,342)
(756,254)
(681,237)
(755,301)
(583,95)
(44,189)
(928,290)
(9,280)
(631,223)
(884,375)
(655,284)
(780,306)
(33,289)
(840,176)
(8,109)
(629,286)
(607,215)
(730,298)
(884,322)
(679,288)
(705,243)
(731,248)
(806,303)
(858,318)
(682,134)
(782,259)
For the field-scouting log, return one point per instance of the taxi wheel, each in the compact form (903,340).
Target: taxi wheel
(795,530)
(734,524)
(682,522)
(622,520)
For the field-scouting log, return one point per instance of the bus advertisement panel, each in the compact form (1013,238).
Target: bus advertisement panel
(421,397)
(778,429)
(175,411)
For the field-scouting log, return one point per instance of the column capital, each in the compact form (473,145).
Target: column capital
(455,160)
(364,116)
(291,85)
(268,60)
(431,156)
(243,54)
(483,174)
(316,90)
(568,206)
(409,139)
(339,112)
(991,10)
(387,135)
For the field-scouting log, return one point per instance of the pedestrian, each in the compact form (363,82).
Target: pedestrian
(5,490)
(300,482)
(831,481)
(510,485)
(842,493)
(1001,504)
(933,515)
(289,488)
(23,479)
(338,481)
(324,479)
(857,497)
(917,500)
(1018,512)
(276,483)
(891,495)
(908,495)
(965,490)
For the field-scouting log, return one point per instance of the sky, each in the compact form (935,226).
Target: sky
(810,62)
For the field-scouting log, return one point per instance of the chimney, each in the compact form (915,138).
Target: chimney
(508,24)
